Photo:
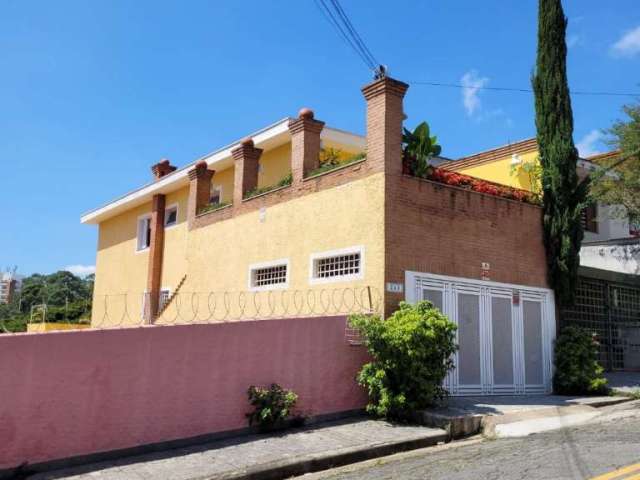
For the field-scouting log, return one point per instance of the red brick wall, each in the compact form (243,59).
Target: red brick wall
(445,230)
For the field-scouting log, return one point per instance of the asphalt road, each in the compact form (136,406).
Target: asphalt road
(583,452)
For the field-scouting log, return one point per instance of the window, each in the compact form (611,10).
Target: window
(165,294)
(270,275)
(338,265)
(215,196)
(171,216)
(144,233)
(589,218)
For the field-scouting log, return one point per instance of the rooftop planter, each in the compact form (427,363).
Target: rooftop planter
(454,179)
(212,207)
(333,162)
(283,182)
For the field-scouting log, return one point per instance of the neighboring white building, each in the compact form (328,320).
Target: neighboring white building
(10,286)
(617,255)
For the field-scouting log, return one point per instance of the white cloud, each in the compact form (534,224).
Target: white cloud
(628,45)
(587,144)
(472,84)
(574,40)
(81,270)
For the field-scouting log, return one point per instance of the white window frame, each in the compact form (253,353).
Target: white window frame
(171,207)
(314,280)
(138,248)
(272,263)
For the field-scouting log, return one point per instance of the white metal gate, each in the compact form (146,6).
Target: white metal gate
(505,333)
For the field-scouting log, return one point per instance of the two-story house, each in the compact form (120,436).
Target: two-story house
(300,217)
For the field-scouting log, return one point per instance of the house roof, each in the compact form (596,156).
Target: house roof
(488,156)
(604,158)
(523,146)
(269,137)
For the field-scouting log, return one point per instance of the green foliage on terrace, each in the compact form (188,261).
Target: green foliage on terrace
(411,353)
(212,207)
(419,147)
(332,158)
(283,182)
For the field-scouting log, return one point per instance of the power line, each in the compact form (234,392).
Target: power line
(524,90)
(354,33)
(336,16)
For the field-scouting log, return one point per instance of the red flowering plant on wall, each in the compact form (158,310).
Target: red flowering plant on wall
(467,182)
(418,150)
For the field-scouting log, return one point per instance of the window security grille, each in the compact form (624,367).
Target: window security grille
(275,275)
(164,298)
(338,266)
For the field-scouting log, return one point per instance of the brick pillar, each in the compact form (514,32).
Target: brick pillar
(199,188)
(384,124)
(162,168)
(305,144)
(246,158)
(156,249)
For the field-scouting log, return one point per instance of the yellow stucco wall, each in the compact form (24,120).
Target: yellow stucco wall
(502,171)
(175,239)
(121,271)
(217,257)
(274,164)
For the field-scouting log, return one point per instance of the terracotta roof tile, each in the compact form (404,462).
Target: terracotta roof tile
(523,146)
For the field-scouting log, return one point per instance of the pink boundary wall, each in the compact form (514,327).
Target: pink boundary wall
(64,394)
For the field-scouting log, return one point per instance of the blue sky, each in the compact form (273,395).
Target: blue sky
(93,93)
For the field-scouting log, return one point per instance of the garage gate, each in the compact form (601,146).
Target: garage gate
(505,333)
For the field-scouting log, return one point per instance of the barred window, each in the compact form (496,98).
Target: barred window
(337,265)
(269,275)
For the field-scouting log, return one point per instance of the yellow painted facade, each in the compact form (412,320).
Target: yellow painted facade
(503,171)
(217,257)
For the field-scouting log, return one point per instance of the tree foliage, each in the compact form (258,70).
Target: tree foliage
(622,187)
(411,353)
(67,296)
(563,194)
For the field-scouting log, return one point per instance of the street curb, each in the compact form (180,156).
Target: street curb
(457,425)
(310,463)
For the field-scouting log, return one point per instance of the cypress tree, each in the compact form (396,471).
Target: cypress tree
(564,196)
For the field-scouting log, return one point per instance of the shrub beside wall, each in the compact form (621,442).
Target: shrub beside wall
(411,353)
(578,371)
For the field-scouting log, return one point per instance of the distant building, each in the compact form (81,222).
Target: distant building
(10,286)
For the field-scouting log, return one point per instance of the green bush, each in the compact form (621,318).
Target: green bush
(576,361)
(272,406)
(411,353)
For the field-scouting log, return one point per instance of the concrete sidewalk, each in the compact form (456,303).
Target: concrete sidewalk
(624,382)
(513,415)
(293,452)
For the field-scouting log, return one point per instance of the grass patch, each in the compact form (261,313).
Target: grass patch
(283,182)
(332,165)
(212,207)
